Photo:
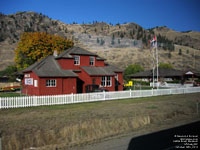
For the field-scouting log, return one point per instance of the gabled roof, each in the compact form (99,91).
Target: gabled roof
(100,59)
(103,71)
(48,67)
(114,68)
(75,51)
(162,72)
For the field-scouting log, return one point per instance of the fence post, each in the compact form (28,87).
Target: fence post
(34,101)
(152,91)
(104,95)
(72,98)
(130,93)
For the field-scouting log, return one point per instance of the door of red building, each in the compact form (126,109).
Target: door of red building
(79,86)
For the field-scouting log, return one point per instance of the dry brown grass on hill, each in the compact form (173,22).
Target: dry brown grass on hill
(123,57)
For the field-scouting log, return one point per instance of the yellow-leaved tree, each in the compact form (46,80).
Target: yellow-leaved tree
(33,46)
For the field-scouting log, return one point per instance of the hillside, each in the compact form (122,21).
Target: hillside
(120,44)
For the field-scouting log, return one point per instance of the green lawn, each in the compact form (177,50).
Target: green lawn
(9,94)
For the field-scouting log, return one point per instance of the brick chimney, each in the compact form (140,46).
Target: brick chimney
(55,53)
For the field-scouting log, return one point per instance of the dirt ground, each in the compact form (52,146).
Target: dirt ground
(67,126)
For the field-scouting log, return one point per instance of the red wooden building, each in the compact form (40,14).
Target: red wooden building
(75,70)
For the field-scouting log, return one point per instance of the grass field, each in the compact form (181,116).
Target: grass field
(9,94)
(61,126)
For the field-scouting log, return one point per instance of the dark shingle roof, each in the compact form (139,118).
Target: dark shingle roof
(169,72)
(48,67)
(162,73)
(98,71)
(75,51)
(114,68)
(99,58)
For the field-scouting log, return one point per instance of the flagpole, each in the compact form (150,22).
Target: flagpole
(157,61)
(153,66)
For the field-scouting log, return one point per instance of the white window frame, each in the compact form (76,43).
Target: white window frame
(106,81)
(92,60)
(35,83)
(77,61)
(51,83)
(103,81)
(27,75)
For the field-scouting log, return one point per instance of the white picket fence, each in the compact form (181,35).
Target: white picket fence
(29,101)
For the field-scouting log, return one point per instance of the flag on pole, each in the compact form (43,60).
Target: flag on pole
(153,43)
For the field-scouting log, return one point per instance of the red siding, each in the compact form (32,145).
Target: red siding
(30,89)
(84,77)
(66,63)
(98,82)
(50,90)
(63,86)
(100,63)
(120,80)
(69,85)
(84,61)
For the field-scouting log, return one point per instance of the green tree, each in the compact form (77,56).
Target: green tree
(169,55)
(180,52)
(9,71)
(118,41)
(33,46)
(113,42)
(132,69)
(97,40)
(165,66)
(121,35)
(102,42)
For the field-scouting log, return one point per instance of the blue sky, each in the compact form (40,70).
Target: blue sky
(180,15)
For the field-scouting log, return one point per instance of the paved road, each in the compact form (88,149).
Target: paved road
(157,140)
(182,137)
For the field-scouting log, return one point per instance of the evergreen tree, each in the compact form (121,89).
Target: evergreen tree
(97,40)
(169,55)
(121,35)
(118,41)
(180,52)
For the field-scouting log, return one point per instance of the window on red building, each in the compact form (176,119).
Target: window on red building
(50,83)
(92,60)
(76,60)
(106,81)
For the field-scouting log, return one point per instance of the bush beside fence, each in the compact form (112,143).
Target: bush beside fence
(29,101)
